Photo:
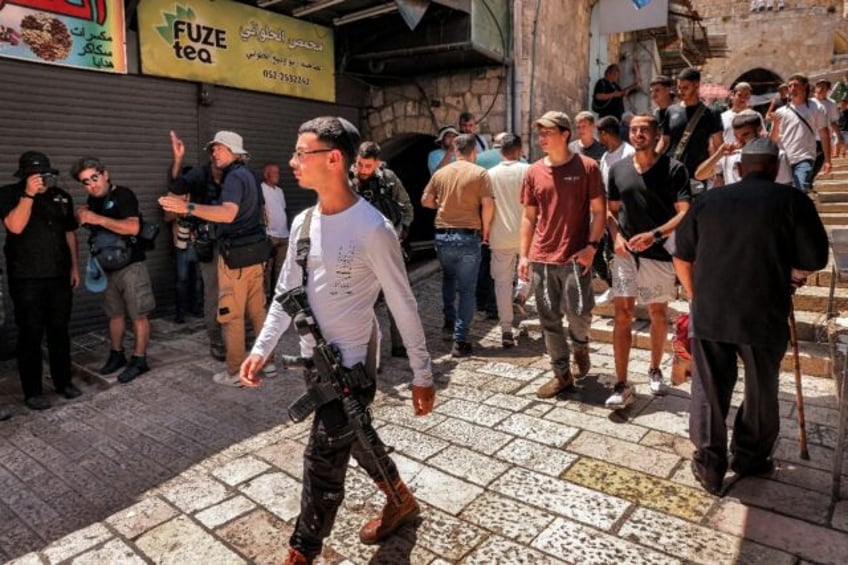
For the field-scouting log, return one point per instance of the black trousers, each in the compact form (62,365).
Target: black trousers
(714,374)
(42,306)
(331,443)
(485,294)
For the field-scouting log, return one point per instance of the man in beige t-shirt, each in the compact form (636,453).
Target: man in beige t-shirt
(461,192)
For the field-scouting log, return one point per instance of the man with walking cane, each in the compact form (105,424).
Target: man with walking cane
(764,234)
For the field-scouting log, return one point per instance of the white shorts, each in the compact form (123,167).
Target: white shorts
(652,282)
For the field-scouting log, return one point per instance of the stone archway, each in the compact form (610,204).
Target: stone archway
(762,81)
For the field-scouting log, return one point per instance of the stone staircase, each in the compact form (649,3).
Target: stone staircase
(810,301)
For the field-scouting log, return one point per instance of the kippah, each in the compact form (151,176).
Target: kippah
(761,146)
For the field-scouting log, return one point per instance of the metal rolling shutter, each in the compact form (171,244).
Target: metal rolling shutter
(124,120)
(269,124)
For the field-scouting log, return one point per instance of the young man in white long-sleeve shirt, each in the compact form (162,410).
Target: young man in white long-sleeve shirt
(353,253)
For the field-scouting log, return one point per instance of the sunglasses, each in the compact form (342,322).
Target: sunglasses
(90,180)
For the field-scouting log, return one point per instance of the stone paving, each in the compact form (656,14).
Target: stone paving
(174,469)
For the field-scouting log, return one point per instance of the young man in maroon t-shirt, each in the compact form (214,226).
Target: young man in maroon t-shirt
(563,221)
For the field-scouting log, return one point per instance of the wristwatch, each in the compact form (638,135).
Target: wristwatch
(190,209)
(658,235)
(593,244)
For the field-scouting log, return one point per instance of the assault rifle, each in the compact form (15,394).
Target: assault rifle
(329,380)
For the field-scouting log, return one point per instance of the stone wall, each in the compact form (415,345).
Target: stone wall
(796,39)
(559,69)
(428,103)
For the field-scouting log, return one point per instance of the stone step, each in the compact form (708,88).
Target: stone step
(809,325)
(832,219)
(814,357)
(833,185)
(833,207)
(832,196)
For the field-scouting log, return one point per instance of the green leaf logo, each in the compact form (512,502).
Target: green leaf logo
(180,13)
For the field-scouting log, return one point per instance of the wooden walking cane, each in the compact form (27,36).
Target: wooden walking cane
(799,397)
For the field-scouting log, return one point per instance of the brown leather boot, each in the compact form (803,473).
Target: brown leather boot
(392,517)
(556,385)
(295,558)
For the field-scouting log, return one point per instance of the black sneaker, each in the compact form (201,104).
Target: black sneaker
(507,339)
(70,391)
(4,414)
(37,402)
(461,349)
(218,352)
(447,330)
(116,361)
(136,367)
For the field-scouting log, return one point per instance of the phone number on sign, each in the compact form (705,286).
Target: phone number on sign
(285,77)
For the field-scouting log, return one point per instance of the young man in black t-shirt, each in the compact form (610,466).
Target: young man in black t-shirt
(647,197)
(706,135)
(129,292)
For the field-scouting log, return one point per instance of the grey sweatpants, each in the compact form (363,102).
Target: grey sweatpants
(562,291)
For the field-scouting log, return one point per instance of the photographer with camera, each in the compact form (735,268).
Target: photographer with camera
(244,248)
(200,184)
(382,188)
(342,252)
(43,267)
(112,214)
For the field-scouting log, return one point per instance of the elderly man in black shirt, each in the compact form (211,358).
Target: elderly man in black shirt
(42,261)
(736,252)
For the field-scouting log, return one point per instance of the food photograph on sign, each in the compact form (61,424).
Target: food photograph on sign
(83,34)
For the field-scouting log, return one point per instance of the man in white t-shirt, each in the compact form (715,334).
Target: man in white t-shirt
(739,99)
(505,236)
(795,127)
(722,167)
(832,111)
(609,134)
(353,252)
(276,224)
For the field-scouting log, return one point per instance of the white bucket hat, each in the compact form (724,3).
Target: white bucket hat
(229,139)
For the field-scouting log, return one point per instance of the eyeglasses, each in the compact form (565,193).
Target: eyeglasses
(300,155)
(90,180)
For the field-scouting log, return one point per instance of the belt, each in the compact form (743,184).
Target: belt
(463,231)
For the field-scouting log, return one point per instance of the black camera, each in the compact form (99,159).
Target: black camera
(49,180)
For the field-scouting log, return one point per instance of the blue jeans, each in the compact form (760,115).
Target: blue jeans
(459,256)
(802,175)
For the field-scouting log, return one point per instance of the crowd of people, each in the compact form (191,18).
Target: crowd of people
(683,195)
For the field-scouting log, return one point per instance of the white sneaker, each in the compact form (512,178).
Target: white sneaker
(622,396)
(604,297)
(658,387)
(270,370)
(226,379)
